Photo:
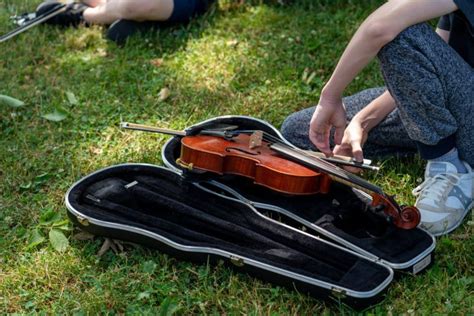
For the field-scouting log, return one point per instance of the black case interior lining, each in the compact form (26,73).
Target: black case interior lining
(343,213)
(159,201)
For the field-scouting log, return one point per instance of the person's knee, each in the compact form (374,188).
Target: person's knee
(288,126)
(293,125)
(409,38)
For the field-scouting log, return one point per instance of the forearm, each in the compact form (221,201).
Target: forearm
(382,26)
(375,111)
(362,48)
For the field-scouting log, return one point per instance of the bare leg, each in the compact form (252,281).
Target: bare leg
(137,10)
(93,3)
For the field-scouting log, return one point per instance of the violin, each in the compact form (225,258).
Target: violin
(260,163)
(275,164)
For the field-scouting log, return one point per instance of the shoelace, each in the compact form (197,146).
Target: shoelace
(436,186)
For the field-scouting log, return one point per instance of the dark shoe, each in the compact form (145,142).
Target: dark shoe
(73,16)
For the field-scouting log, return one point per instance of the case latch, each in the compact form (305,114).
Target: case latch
(237,261)
(83,221)
(422,264)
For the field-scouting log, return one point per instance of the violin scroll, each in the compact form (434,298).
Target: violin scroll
(405,218)
(409,217)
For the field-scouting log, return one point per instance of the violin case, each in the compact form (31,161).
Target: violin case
(325,245)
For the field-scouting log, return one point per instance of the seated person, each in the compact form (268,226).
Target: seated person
(426,105)
(126,17)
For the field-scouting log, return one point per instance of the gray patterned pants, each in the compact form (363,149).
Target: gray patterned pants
(434,91)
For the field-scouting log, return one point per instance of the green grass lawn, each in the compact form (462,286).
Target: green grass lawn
(240,59)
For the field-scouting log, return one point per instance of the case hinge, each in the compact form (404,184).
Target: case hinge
(237,261)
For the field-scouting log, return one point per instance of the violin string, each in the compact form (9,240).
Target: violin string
(276,140)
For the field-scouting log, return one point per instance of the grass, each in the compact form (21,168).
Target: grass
(240,59)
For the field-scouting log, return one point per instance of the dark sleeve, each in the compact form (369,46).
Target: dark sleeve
(467,7)
(444,23)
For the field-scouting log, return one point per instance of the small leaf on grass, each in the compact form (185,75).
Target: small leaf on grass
(232,43)
(149,267)
(164,94)
(35,239)
(157,62)
(83,235)
(143,295)
(58,240)
(71,98)
(311,77)
(42,178)
(57,116)
(65,227)
(105,247)
(304,76)
(168,307)
(25,186)
(62,225)
(49,217)
(4,99)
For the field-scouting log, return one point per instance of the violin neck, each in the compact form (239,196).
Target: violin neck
(146,128)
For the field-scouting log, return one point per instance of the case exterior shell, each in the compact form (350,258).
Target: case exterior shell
(91,221)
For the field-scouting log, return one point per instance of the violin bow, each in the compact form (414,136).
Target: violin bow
(27,21)
(146,128)
(230,131)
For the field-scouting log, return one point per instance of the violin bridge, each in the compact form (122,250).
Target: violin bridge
(256,139)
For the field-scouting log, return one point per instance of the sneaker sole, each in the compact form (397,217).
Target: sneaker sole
(458,223)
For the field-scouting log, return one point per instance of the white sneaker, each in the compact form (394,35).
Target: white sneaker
(445,197)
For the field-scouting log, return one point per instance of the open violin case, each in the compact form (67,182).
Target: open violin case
(326,245)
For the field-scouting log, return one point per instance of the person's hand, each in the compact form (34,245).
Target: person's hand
(352,142)
(329,113)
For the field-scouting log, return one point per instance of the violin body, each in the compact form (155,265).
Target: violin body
(263,165)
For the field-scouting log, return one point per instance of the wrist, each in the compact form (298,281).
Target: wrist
(330,94)
(364,122)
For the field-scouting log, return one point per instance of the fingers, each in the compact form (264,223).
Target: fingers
(319,131)
(339,134)
(320,138)
(345,150)
(357,152)
(327,115)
